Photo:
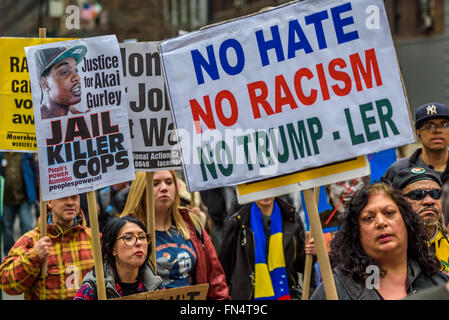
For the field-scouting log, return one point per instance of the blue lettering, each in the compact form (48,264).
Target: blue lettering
(275,44)
(339,23)
(232,43)
(317,19)
(199,62)
(295,29)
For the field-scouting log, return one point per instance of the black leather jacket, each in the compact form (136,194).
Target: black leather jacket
(415,160)
(348,289)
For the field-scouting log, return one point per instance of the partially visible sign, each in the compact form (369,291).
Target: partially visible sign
(195,292)
(249,192)
(150,120)
(17,130)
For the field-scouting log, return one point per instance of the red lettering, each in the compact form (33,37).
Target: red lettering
(198,112)
(306,100)
(340,76)
(323,82)
(282,87)
(226,94)
(261,99)
(371,67)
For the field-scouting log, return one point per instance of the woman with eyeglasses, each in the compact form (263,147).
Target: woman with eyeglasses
(380,252)
(125,247)
(185,254)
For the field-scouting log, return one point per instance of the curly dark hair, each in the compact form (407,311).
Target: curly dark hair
(346,249)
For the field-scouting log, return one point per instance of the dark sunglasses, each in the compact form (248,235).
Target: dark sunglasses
(420,194)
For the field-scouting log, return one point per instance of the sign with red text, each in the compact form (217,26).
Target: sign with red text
(151,125)
(296,87)
(80,111)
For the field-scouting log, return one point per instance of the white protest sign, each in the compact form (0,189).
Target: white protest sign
(150,120)
(80,111)
(296,87)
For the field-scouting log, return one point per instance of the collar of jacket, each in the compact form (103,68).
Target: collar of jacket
(151,282)
(359,291)
(243,215)
(190,224)
(55,230)
(414,158)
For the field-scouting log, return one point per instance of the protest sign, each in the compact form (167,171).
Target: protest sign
(150,120)
(252,191)
(80,111)
(296,87)
(195,292)
(17,131)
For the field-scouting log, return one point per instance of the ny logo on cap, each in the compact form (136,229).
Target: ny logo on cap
(431,109)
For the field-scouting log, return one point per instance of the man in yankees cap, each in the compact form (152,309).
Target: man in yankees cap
(59,79)
(432,129)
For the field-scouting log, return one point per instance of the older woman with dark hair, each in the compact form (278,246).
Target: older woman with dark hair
(381,251)
(125,248)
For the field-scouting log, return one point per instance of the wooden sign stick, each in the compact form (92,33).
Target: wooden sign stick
(96,247)
(323,257)
(43,227)
(309,258)
(150,218)
(307,274)
(43,204)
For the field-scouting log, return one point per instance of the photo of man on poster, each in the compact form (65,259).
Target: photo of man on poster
(59,80)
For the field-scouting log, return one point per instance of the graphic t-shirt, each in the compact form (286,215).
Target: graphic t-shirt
(175,258)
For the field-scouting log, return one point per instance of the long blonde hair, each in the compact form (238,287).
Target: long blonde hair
(136,204)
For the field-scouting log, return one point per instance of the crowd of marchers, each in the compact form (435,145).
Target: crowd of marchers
(397,225)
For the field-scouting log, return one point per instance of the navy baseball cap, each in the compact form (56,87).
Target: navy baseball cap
(428,111)
(408,176)
(47,58)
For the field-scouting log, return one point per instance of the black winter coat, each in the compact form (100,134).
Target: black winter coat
(415,160)
(237,253)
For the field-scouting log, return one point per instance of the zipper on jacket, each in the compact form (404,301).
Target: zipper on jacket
(243,242)
(253,285)
(253,274)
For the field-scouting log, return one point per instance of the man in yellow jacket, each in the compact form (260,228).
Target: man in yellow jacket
(67,250)
(422,189)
